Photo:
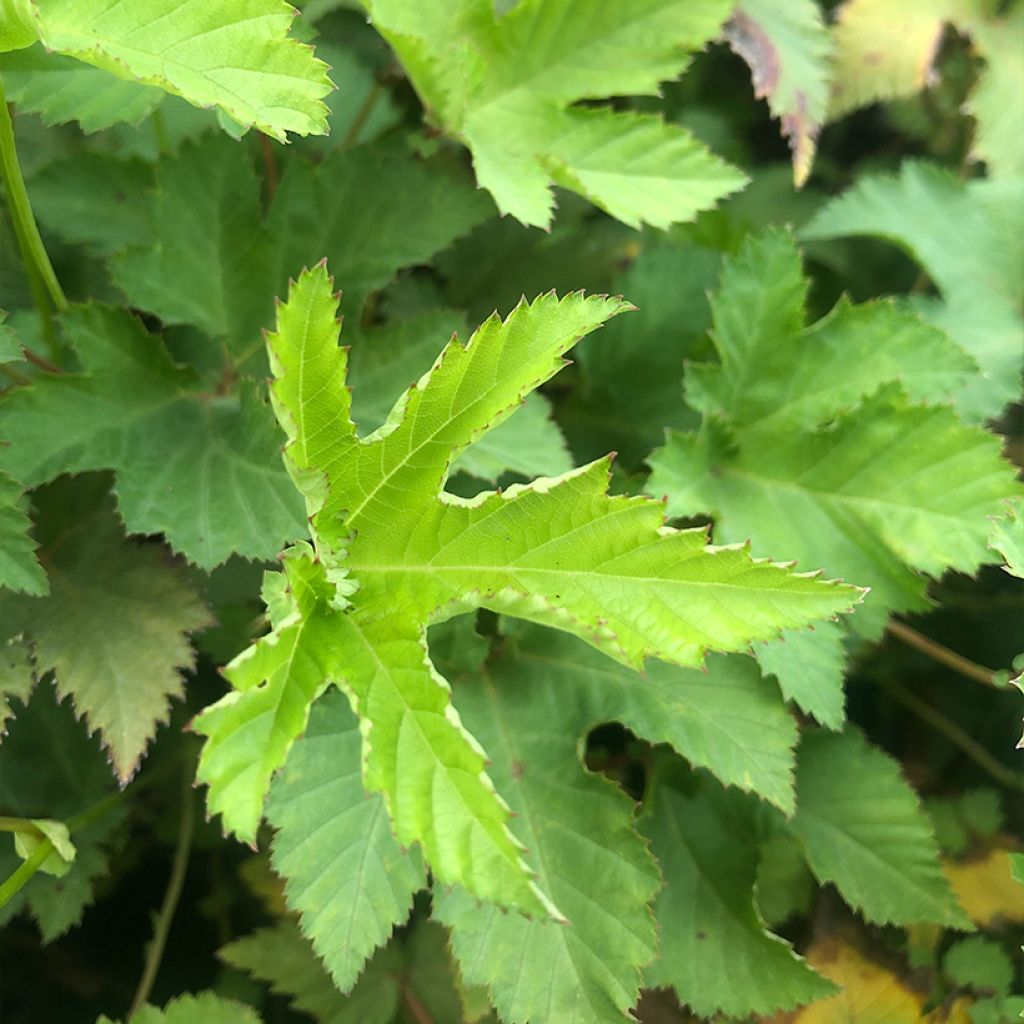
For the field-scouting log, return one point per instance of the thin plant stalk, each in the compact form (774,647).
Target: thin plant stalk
(42,278)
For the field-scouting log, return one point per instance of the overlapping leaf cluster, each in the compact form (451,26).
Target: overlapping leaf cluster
(506,751)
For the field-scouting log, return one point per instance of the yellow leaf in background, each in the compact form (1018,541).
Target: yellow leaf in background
(986,888)
(884,50)
(871,994)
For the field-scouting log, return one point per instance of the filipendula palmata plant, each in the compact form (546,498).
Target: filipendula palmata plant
(392,553)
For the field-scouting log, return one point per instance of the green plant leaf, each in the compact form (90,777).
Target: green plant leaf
(774,371)
(16,676)
(724,717)
(400,353)
(93,199)
(236,56)
(1007,537)
(345,873)
(545,971)
(114,627)
(418,556)
(715,949)
(60,89)
(19,565)
(212,260)
(52,769)
(632,372)
(206,1007)
(414,973)
(204,469)
(979,963)
(969,238)
(63,852)
(788,49)
(506,84)
(878,493)
(997,101)
(281,956)
(862,829)
(809,666)
(884,54)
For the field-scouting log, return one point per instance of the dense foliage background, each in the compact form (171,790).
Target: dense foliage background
(819,827)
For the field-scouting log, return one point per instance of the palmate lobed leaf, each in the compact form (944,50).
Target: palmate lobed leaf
(506,86)
(559,551)
(235,55)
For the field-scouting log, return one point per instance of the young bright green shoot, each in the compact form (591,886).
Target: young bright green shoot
(393,553)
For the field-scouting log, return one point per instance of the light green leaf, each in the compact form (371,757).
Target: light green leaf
(542,971)
(274,683)
(810,665)
(60,89)
(19,565)
(206,1007)
(344,871)
(788,49)
(997,101)
(398,354)
(862,829)
(774,371)
(882,52)
(1007,536)
(863,497)
(969,237)
(558,551)
(715,950)
(725,717)
(506,84)
(877,492)
(203,469)
(114,627)
(233,55)
(63,852)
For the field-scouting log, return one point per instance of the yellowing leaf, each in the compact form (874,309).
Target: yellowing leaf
(987,889)
(870,993)
(884,50)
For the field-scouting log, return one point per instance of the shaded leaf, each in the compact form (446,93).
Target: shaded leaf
(862,828)
(345,873)
(715,949)
(114,627)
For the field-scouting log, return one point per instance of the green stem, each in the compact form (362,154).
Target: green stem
(28,867)
(171,896)
(18,825)
(33,252)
